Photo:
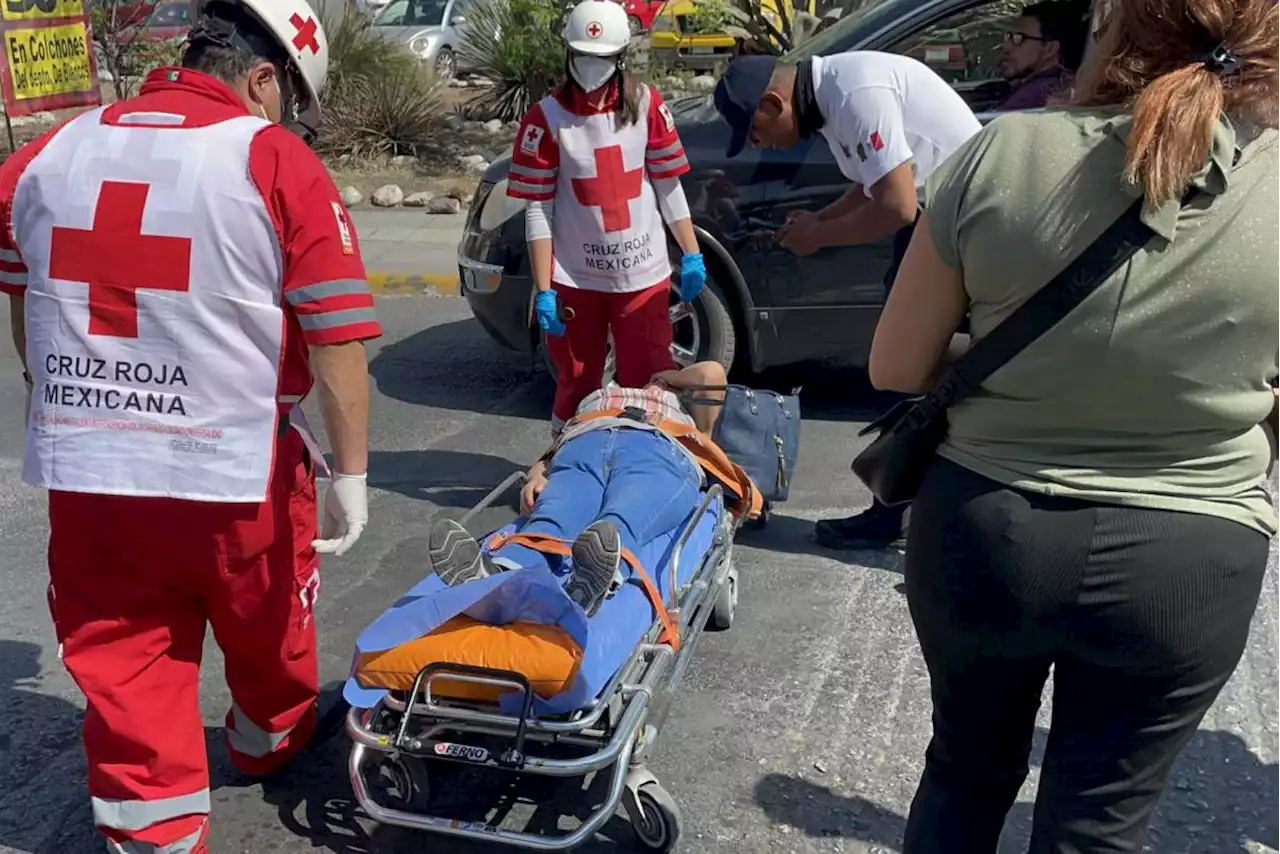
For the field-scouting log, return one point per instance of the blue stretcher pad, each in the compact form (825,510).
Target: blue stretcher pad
(534,593)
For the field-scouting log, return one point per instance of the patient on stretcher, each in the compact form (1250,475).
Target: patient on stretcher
(613,480)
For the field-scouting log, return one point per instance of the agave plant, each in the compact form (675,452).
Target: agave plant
(516,45)
(379,100)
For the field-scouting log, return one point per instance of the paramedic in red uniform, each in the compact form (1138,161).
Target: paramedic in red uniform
(599,164)
(179,264)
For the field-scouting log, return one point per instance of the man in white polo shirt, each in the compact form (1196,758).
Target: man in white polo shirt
(889,121)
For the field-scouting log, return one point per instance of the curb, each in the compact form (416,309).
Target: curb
(382,282)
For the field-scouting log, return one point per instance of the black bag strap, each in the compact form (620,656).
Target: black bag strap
(1044,310)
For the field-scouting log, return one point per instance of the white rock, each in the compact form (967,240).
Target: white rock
(418,199)
(444,205)
(493,126)
(351,196)
(470,159)
(474,125)
(702,83)
(673,83)
(454,121)
(388,196)
(402,160)
(478,168)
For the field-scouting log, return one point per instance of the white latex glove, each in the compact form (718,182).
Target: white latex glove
(346,512)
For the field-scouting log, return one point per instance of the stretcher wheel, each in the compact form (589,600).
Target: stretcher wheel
(726,603)
(762,521)
(401,782)
(658,827)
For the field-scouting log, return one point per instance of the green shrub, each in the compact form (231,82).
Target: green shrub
(380,100)
(517,45)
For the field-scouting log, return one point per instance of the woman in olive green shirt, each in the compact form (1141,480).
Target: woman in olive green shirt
(1098,505)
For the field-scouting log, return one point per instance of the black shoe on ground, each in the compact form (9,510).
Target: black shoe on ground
(877,527)
(455,554)
(597,553)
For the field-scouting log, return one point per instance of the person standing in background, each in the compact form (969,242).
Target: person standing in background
(889,120)
(598,163)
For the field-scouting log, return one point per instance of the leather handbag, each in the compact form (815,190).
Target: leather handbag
(760,431)
(908,436)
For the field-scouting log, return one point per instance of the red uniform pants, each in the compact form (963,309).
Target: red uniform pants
(641,328)
(133,582)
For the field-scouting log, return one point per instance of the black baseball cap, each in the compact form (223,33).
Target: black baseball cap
(739,92)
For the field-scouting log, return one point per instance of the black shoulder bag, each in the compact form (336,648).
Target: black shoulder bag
(894,465)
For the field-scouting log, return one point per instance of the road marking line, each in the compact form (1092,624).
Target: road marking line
(383,282)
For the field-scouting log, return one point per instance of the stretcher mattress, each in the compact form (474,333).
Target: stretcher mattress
(533,594)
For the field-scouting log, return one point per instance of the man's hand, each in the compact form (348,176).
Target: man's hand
(532,489)
(346,512)
(801,217)
(803,238)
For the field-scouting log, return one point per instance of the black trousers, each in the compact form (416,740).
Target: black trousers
(1143,615)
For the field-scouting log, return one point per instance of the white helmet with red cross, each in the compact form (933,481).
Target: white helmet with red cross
(597,28)
(296,28)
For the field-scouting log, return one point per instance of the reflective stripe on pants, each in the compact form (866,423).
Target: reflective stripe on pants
(139,814)
(192,843)
(250,739)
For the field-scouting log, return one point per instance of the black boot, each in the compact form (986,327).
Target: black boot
(877,527)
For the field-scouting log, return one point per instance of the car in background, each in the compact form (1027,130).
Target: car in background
(169,20)
(763,305)
(433,30)
(673,41)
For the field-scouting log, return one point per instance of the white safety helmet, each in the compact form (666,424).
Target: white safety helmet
(597,28)
(297,29)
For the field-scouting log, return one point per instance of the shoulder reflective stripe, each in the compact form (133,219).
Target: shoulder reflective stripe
(250,739)
(138,814)
(151,119)
(321,290)
(288,398)
(668,165)
(7,278)
(674,148)
(185,845)
(9,256)
(531,189)
(532,172)
(334,319)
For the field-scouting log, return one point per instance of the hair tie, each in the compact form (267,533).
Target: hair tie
(1222,61)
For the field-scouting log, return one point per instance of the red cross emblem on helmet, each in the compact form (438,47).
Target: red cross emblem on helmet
(594,30)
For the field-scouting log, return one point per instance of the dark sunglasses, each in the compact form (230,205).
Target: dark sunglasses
(1017,39)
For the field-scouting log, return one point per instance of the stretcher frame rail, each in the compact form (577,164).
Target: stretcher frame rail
(637,693)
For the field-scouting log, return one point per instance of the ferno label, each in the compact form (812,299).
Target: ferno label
(48,61)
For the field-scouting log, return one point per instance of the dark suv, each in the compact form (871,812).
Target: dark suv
(763,305)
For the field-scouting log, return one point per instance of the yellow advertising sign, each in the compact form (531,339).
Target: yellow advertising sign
(48,60)
(38,10)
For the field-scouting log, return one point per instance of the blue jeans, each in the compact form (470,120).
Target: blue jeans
(640,480)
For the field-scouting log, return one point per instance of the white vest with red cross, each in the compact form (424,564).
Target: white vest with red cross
(153,317)
(607,230)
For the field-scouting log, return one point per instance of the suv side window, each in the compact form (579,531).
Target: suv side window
(964,49)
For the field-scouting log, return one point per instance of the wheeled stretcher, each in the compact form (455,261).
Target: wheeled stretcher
(605,723)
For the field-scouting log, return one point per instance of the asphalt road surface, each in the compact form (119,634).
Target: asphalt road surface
(799,730)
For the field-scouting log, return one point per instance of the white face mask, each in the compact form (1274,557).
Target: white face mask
(592,72)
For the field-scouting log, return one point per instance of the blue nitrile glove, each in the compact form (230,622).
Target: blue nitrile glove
(693,276)
(547,310)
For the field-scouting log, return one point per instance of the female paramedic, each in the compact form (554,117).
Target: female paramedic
(599,164)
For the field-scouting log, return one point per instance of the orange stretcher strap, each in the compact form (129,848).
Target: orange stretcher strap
(548,544)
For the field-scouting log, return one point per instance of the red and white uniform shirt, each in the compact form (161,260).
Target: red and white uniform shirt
(607,232)
(177,256)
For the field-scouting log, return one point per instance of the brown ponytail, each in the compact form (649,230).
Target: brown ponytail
(1154,57)
(631,95)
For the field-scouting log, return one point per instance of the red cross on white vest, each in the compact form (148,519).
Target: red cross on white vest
(306,35)
(116,259)
(612,189)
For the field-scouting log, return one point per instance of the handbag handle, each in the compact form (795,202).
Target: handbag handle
(1040,313)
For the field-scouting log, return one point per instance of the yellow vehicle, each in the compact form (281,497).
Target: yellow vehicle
(674,41)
